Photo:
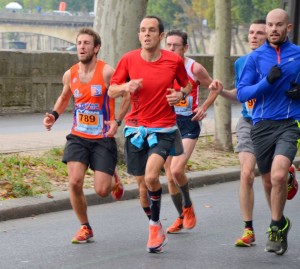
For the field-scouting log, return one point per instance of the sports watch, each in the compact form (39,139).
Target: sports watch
(119,122)
(184,95)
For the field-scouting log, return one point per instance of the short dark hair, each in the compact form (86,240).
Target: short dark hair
(180,33)
(161,27)
(260,21)
(91,32)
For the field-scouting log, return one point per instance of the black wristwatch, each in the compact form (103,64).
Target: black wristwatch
(184,95)
(119,122)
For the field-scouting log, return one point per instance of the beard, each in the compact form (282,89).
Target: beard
(87,59)
(281,39)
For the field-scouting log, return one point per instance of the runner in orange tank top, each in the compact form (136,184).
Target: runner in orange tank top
(91,143)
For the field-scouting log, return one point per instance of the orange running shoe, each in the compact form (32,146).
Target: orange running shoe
(189,217)
(117,191)
(84,235)
(292,183)
(247,239)
(176,227)
(157,238)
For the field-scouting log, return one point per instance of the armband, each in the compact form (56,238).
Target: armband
(55,114)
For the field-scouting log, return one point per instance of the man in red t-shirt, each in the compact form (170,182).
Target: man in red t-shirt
(151,131)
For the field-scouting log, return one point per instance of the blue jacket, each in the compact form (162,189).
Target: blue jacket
(271,101)
(238,68)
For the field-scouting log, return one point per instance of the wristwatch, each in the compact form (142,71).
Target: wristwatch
(184,95)
(119,122)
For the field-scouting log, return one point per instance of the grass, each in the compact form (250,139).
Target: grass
(27,175)
(36,173)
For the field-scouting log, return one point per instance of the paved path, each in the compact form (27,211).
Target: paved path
(25,132)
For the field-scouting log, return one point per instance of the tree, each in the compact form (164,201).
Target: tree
(118,22)
(222,107)
(167,10)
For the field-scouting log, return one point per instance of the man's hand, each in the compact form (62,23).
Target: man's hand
(133,85)
(200,114)
(48,121)
(274,74)
(216,86)
(113,128)
(173,96)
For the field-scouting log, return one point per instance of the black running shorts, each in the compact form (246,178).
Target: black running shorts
(271,138)
(98,154)
(136,158)
(188,128)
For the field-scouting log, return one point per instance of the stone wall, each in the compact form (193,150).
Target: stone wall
(31,82)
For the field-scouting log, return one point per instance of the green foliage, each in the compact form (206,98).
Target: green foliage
(28,175)
(246,11)
(243,11)
(167,10)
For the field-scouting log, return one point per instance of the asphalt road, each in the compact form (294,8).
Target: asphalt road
(121,231)
(26,132)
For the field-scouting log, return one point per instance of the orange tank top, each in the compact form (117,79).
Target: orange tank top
(92,104)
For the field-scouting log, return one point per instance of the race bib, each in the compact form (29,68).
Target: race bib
(184,107)
(89,122)
(250,104)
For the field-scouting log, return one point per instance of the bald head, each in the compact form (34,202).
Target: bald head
(278,26)
(278,13)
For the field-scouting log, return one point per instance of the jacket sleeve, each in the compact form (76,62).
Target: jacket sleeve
(251,84)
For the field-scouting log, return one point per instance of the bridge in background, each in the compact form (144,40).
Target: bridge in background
(58,26)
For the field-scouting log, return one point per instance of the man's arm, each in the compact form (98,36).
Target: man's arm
(174,97)
(124,106)
(116,90)
(229,94)
(201,75)
(107,74)
(61,102)
(247,87)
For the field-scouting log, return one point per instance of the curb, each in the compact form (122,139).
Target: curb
(32,206)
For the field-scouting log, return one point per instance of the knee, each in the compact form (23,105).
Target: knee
(76,185)
(177,172)
(103,191)
(247,176)
(279,177)
(151,181)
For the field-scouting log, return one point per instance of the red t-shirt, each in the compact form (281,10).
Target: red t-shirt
(149,106)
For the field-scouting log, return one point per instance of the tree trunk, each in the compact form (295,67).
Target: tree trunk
(117,22)
(222,107)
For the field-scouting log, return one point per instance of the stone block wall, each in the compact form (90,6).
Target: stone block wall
(30,82)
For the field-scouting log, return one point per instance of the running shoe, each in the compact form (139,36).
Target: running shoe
(189,217)
(277,239)
(292,184)
(157,238)
(84,235)
(117,191)
(176,227)
(247,239)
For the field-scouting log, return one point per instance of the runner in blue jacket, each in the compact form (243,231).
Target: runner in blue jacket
(271,76)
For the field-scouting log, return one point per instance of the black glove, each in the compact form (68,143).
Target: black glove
(294,92)
(274,74)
